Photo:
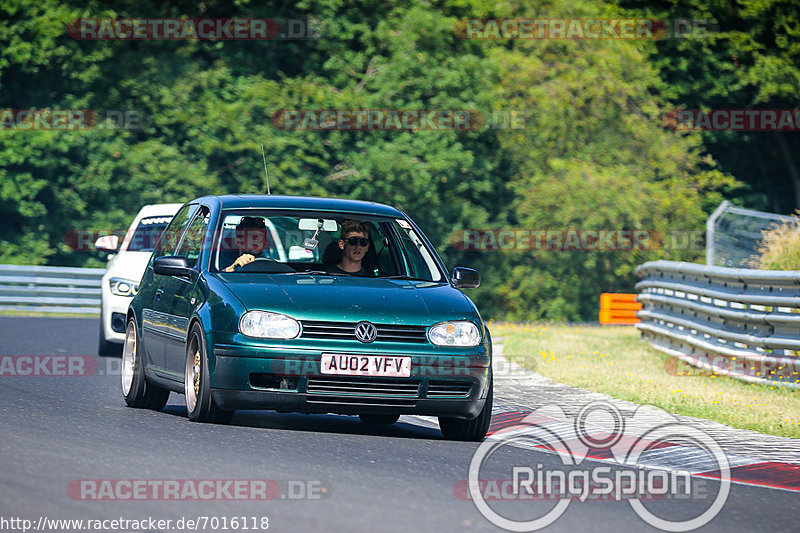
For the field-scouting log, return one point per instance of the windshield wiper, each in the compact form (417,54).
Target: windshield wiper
(403,276)
(313,273)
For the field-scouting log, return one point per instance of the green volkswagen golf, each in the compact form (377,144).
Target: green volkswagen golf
(312,305)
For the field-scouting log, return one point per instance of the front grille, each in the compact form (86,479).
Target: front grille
(364,387)
(346,331)
(449,389)
(363,400)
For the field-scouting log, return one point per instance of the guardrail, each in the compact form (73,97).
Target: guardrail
(45,289)
(736,322)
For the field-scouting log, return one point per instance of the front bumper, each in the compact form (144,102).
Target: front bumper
(114,310)
(305,403)
(290,380)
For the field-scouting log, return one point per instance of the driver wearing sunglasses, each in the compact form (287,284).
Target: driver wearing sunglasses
(354,243)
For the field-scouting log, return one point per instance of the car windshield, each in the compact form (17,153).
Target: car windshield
(309,242)
(147,232)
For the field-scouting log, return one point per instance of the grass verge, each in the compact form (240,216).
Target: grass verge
(613,361)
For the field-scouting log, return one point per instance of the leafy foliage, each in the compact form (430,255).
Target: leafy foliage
(593,153)
(749,59)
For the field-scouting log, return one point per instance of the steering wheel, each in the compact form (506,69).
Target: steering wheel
(265,265)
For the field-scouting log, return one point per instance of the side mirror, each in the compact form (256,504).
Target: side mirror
(107,243)
(172,265)
(466,278)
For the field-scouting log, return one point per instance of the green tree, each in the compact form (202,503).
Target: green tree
(750,59)
(594,155)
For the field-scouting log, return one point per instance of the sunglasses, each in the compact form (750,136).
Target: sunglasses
(352,241)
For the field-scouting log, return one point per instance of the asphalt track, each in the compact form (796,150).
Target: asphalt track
(57,431)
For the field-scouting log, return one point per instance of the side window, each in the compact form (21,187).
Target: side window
(169,239)
(420,262)
(385,254)
(193,238)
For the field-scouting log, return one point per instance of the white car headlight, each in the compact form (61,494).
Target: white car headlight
(461,333)
(267,325)
(123,287)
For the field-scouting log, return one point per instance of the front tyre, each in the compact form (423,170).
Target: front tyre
(470,430)
(135,388)
(200,405)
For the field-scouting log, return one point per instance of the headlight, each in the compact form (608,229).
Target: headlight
(269,325)
(455,334)
(123,287)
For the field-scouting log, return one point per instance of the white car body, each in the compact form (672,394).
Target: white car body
(127,266)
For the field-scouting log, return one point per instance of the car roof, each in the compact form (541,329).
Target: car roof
(273,201)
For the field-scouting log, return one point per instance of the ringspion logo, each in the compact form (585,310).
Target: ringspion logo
(637,467)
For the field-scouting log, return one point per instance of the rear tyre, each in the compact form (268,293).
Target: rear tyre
(135,387)
(379,420)
(470,430)
(200,405)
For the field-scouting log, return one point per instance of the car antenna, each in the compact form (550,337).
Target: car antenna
(266,174)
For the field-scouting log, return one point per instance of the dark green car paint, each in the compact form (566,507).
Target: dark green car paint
(166,307)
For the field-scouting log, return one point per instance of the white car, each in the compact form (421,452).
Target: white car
(125,269)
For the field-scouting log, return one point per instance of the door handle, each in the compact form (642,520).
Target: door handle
(159,292)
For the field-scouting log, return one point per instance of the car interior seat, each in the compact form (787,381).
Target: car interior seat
(332,254)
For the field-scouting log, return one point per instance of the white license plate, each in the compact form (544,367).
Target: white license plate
(366,365)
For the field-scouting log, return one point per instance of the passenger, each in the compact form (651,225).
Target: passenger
(354,243)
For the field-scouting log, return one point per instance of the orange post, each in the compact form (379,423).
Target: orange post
(618,309)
